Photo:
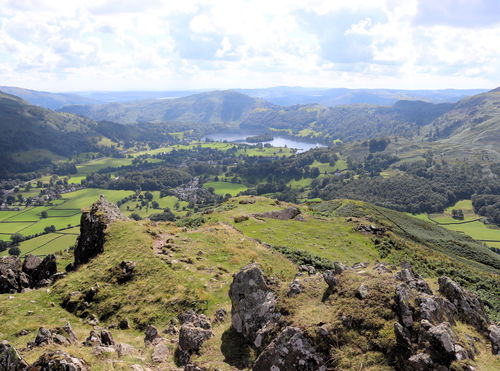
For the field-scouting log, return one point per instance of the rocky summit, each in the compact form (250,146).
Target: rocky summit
(144,295)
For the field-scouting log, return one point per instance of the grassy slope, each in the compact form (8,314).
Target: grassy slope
(164,285)
(223,188)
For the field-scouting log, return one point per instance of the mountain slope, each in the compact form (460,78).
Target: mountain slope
(213,107)
(267,269)
(46,99)
(472,124)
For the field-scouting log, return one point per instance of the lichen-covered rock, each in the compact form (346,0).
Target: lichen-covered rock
(403,305)
(93,225)
(197,320)
(291,350)
(10,275)
(420,362)
(294,289)
(44,271)
(31,263)
(412,279)
(93,339)
(220,315)
(253,302)
(160,353)
(59,361)
(196,329)
(436,309)
(60,335)
(10,360)
(469,307)
(494,336)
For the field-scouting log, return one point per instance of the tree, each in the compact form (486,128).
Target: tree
(50,229)
(3,245)
(14,250)
(155,205)
(44,214)
(149,196)
(16,238)
(135,216)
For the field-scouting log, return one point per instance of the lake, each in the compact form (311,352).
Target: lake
(278,141)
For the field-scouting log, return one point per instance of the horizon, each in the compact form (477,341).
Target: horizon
(115,45)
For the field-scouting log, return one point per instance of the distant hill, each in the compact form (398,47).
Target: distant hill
(473,125)
(209,108)
(286,96)
(46,99)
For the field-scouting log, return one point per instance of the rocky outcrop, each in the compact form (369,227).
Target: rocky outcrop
(253,304)
(59,361)
(93,225)
(290,350)
(60,335)
(469,306)
(424,334)
(100,337)
(494,336)
(32,273)
(285,214)
(10,360)
(195,330)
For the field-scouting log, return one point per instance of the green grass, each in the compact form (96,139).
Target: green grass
(85,197)
(222,188)
(101,163)
(266,152)
(7,214)
(29,214)
(476,229)
(13,227)
(301,183)
(76,179)
(164,202)
(50,243)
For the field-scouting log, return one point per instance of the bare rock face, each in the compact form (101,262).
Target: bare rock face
(469,306)
(290,350)
(195,330)
(32,273)
(253,302)
(10,360)
(494,336)
(60,361)
(60,335)
(93,225)
(412,279)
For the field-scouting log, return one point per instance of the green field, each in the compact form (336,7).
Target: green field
(131,206)
(46,244)
(475,229)
(266,151)
(223,188)
(101,163)
(85,197)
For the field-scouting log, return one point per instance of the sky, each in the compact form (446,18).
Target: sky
(81,45)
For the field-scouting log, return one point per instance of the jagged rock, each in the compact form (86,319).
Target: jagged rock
(294,289)
(171,330)
(362,291)
(285,214)
(10,275)
(124,324)
(151,335)
(382,268)
(494,336)
(469,306)
(361,265)
(253,302)
(240,218)
(124,349)
(23,332)
(100,350)
(93,339)
(126,270)
(160,353)
(246,201)
(10,360)
(60,361)
(412,279)
(46,269)
(197,320)
(93,225)
(331,280)
(307,268)
(107,338)
(403,305)
(436,309)
(220,315)
(59,335)
(444,348)
(291,350)
(31,263)
(421,362)
(190,340)
(403,339)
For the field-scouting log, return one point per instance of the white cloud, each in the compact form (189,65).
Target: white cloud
(156,44)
